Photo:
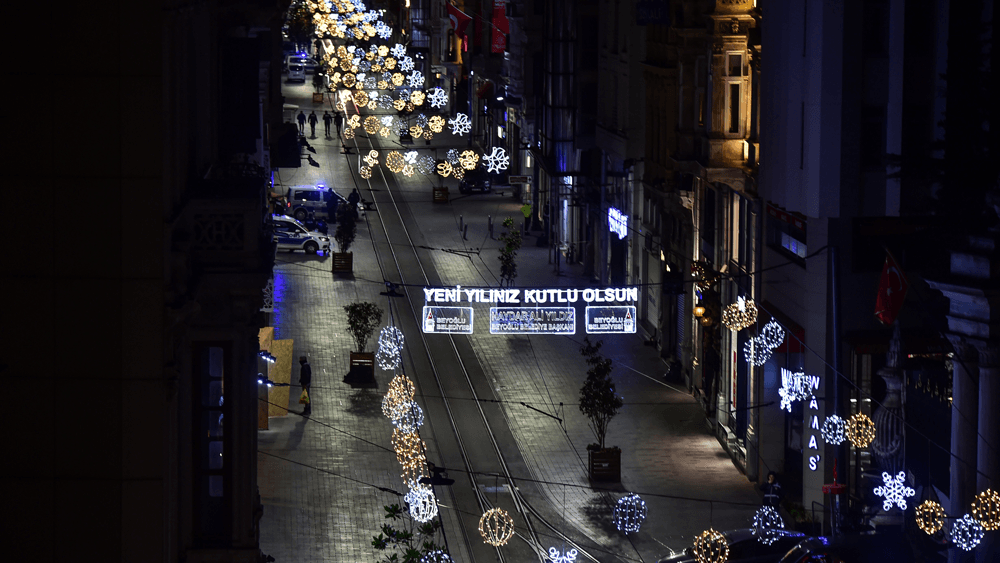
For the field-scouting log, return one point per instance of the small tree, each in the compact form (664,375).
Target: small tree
(403,546)
(347,227)
(598,399)
(362,320)
(511,239)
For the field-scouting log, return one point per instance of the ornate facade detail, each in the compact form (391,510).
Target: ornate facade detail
(218,231)
(268,297)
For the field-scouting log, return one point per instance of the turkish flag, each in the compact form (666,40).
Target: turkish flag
(459,21)
(501,27)
(891,291)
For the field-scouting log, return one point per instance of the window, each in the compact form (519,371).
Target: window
(735,65)
(787,234)
(734,107)
(209,445)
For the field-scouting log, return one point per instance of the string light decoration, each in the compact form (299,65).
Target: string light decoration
(417,97)
(497,160)
(365,171)
(401,390)
(394,161)
(468,159)
(966,533)
(408,416)
(398,50)
(706,277)
(772,335)
(423,505)
(408,107)
(458,173)
(428,134)
(834,430)
(555,556)
(930,517)
(416,131)
(444,169)
(425,165)
(438,98)
(794,387)
(986,509)
(766,525)
(894,490)
(710,547)
(860,430)
(451,156)
(436,123)
(436,556)
(460,124)
(390,346)
(630,512)
(408,445)
(372,124)
(406,63)
(348,133)
(371,159)
(739,315)
(397,79)
(755,352)
(496,527)
(354,121)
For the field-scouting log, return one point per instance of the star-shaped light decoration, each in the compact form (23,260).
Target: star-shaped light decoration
(460,124)
(894,490)
(497,160)
(558,557)
(438,98)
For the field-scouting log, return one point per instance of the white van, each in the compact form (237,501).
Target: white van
(296,72)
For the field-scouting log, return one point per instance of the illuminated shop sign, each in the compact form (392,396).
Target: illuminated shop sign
(617,222)
(447,320)
(530,296)
(614,319)
(536,320)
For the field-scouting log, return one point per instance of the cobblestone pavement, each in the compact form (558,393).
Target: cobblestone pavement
(316,474)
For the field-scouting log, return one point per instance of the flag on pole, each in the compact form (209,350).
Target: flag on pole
(891,291)
(459,21)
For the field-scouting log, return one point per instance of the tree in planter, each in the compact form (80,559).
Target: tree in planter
(347,227)
(598,400)
(511,239)
(403,546)
(362,320)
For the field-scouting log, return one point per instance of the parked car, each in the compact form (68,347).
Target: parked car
(476,180)
(303,200)
(744,547)
(873,547)
(296,72)
(292,235)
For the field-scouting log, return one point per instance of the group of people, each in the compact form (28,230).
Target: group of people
(336,119)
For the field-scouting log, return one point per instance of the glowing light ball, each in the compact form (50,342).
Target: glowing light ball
(986,509)
(739,315)
(408,417)
(423,505)
(766,523)
(710,547)
(390,346)
(394,161)
(834,430)
(496,527)
(860,430)
(966,533)
(630,512)
(372,124)
(930,517)
(436,556)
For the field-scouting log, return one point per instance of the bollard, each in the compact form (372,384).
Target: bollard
(465,232)
(489,223)
(461,223)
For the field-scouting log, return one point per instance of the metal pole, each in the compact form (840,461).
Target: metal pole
(832,259)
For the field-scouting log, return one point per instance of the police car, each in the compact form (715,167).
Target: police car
(291,235)
(314,200)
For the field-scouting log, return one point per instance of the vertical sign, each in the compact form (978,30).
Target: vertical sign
(501,27)
(812,421)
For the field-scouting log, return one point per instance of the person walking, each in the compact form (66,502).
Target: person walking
(353,199)
(302,122)
(305,380)
(772,490)
(313,120)
(339,121)
(327,120)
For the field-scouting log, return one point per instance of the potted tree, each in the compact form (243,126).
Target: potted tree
(511,239)
(319,86)
(362,320)
(347,230)
(600,403)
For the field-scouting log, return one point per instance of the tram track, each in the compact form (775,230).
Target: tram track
(464,431)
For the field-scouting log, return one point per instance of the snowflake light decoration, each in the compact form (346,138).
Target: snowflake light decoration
(894,490)
(438,98)
(405,63)
(383,31)
(739,315)
(834,430)
(415,80)
(860,430)
(986,509)
(423,505)
(966,533)
(497,160)
(794,387)
(410,157)
(630,512)
(408,417)
(390,345)
(766,523)
(558,557)
(398,50)
(460,124)
(436,556)
(710,547)
(468,159)
(496,527)
(930,517)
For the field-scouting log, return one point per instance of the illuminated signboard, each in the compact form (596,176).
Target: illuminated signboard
(535,320)
(530,296)
(447,320)
(617,222)
(613,319)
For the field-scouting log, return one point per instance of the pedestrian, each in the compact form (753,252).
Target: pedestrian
(772,490)
(339,121)
(353,200)
(331,208)
(305,380)
(327,120)
(313,120)
(302,122)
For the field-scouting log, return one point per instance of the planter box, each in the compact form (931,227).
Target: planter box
(441,195)
(318,97)
(362,373)
(342,262)
(605,465)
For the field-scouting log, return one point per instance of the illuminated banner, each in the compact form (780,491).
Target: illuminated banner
(603,320)
(530,296)
(617,222)
(536,320)
(447,320)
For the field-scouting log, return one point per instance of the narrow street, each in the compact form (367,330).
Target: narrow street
(502,405)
